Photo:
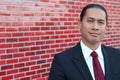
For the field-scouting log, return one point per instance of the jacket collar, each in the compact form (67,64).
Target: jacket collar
(80,63)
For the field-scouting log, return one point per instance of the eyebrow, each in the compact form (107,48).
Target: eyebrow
(94,19)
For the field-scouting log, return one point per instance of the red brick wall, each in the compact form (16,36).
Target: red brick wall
(32,31)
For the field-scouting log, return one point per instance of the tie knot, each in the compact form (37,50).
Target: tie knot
(94,54)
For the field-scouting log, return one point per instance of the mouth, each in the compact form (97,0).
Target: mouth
(94,34)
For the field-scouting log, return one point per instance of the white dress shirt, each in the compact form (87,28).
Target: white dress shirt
(88,58)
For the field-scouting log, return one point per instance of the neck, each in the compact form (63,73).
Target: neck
(91,45)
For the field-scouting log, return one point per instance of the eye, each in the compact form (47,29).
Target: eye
(90,21)
(101,22)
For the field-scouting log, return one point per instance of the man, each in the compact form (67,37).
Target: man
(79,63)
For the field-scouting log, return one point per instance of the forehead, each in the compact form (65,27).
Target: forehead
(95,13)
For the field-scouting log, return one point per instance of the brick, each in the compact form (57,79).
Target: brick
(18,45)
(29,14)
(17,24)
(35,48)
(6,67)
(40,42)
(34,29)
(63,19)
(63,45)
(29,43)
(50,42)
(49,23)
(59,50)
(7,77)
(2,73)
(23,59)
(12,61)
(41,61)
(45,47)
(30,63)
(29,53)
(62,2)
(29,34)
(49,60)
(2,62)
(8,56)
(71,11)
(24,69)
(34,58)
(45,74)
(2,51)
(50,51)
(12,40)
(34,38)
(54,19)
(45,37)
(25,78)
(29,24)
(54,46)
(19,65)
(54,37)
(30,73)
(67,23)
(45,28)
(63,28)
(45,56)
(5,24)
(41,71)
(5,13)
(19,75)
(35,67)
(67,15)
(68,40)
(11,29)
(49,33)
(5,35)
(12,71)
(23,49)
(71,19)
(40,52)
(17,34)
(44,0)
(23,39)
(36,76)
(63,36)
(59,41)
(23,29)
(2,29)
(39,23)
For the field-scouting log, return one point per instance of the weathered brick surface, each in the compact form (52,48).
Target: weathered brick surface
(33,31)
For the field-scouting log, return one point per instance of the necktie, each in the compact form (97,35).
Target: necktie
(97,68)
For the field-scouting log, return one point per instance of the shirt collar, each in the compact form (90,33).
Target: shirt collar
(87,51)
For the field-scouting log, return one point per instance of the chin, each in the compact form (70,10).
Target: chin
(94,42)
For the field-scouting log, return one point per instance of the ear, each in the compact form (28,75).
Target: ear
(79,24)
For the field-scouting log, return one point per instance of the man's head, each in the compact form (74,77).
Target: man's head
(93,6)
(93,24)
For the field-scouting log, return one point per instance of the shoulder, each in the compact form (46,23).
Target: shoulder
(110,48)
(69,52)
(111,51)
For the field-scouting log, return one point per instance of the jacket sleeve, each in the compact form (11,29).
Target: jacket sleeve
(56,72)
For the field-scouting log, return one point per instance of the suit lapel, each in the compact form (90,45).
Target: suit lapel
(108,63)
(80,63)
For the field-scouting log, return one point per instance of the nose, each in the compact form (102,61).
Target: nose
(95,26)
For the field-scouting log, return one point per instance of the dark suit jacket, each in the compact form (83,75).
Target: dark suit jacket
(71,65)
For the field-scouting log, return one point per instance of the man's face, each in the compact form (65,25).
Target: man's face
(93,26)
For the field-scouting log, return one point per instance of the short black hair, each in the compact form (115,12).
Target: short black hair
(93,6)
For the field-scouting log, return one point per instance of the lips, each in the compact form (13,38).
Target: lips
(94,34)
